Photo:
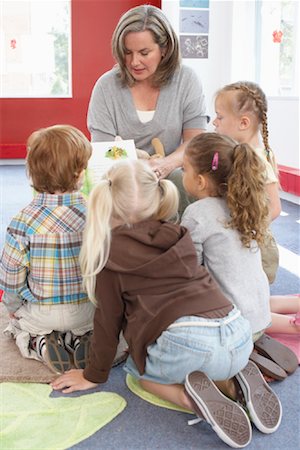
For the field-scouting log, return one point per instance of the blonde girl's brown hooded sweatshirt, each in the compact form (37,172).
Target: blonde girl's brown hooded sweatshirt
(151,279)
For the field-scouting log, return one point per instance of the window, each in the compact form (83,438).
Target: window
(35,48)
(277,65)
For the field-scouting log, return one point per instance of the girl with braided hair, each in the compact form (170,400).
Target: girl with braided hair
(241,113)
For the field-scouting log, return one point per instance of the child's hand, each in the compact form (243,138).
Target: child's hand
(141,154)
(72,381)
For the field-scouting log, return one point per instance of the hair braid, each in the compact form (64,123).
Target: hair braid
(251,91)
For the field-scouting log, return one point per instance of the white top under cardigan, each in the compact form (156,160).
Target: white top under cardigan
(180,106)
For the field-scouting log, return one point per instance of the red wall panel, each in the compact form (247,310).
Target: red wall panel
(289,179)
(93,23)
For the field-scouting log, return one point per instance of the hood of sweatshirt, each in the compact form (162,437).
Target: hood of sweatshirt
(151,248)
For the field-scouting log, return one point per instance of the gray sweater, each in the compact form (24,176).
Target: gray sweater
(180,106)
(237,269)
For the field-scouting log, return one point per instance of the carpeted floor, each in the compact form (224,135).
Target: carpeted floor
(13,366)
(143,425)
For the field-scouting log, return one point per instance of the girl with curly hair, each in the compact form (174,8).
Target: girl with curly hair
(229,223)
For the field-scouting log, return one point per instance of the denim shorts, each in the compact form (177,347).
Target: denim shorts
(218,347)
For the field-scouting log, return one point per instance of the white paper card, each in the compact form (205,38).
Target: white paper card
(105,154)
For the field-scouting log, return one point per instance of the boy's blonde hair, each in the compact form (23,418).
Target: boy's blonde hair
(237,174)
(129,193)
(56,156)
(250,98)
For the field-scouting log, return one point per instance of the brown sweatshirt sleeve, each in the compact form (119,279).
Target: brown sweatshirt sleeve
(107,326)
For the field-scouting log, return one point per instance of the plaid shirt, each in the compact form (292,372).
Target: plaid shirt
(39,261)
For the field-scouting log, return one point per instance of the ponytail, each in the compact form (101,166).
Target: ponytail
(130,193)
(169,202)
(97,236)
(246,196)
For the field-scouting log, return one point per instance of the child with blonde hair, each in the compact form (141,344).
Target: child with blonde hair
(228,223)
(241,113)
(51,317)
(182,332)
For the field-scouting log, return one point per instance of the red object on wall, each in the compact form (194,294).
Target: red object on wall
(277,36)
(93,23)
(13,43)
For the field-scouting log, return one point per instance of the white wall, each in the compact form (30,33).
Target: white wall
(283,117)
(231,58)
(216,70)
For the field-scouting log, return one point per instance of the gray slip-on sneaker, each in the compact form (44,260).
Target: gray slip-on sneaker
(262,403)
(277,352)
(227,418)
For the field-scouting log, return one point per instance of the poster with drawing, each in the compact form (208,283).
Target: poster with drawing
(194,3)
(193,21)
(194,46)
(194,28)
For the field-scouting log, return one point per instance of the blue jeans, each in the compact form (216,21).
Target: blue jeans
(218,347)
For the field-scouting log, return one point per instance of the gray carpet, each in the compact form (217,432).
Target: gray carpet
(142,426)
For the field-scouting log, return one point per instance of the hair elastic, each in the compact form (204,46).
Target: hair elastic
(215,161)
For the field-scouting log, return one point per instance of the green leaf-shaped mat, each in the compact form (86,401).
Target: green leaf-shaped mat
(136,388)
(30,419)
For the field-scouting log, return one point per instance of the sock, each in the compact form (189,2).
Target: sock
(38,344)
(71,341)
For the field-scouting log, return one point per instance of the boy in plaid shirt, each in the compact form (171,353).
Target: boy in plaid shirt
(51,317)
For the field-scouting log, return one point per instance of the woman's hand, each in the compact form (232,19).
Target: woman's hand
(72,381)
(164,166)
(161,166)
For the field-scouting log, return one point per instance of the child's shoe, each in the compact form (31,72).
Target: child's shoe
(268,367)
(81,350)
(57,357)
(79,347)
(262,403)
(227,418)
(277,352)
